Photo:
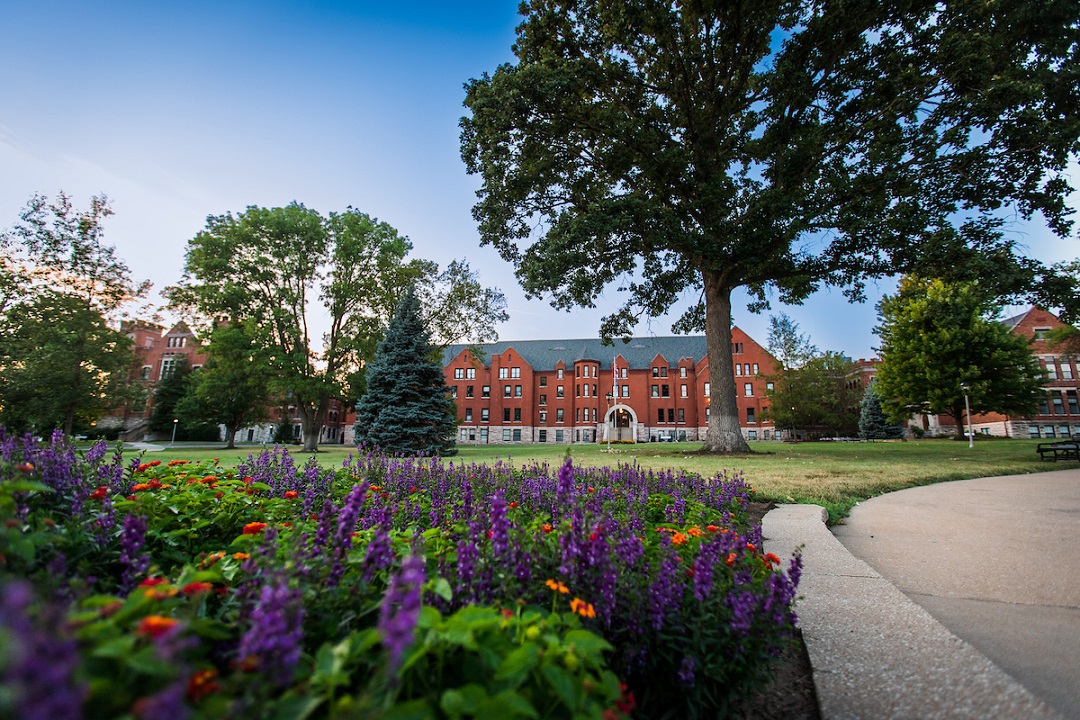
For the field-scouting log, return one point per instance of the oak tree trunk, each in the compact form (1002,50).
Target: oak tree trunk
(725,434)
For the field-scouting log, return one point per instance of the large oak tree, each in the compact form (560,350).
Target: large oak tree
(779,146)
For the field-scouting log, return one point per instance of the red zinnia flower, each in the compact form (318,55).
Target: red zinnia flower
(196,588)
(254,528)
(154,626)
(289,494)
(152,581)
(154,463)
(100,493)
(201,684)
(546,528)
(513,504)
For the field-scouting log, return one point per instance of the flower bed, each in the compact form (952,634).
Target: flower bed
(392,587)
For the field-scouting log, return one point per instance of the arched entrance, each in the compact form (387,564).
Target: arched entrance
(621,424)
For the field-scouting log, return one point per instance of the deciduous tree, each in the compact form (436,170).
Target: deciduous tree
(874,424)
(820,396)
(407,407)
(664,148)
(938,336)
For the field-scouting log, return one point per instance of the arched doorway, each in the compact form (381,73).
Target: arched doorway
(621,424)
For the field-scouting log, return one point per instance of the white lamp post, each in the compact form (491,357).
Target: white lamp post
(967,409)
(607,426)
(175,422)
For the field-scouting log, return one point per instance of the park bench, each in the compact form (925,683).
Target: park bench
(1061,450)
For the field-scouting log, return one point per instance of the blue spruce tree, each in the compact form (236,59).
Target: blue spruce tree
(407,407)
(873,423)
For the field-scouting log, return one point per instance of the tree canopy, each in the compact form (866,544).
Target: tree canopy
(407,408)
(874,424)
(268,268)
(775,146)
(61,285)
(937,337)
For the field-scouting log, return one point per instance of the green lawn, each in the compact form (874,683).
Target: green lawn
(834,475)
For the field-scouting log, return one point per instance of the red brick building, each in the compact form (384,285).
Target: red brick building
(567,391)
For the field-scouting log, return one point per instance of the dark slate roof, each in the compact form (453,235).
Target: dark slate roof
(638,352)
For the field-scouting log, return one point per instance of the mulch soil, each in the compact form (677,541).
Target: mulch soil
(791,694)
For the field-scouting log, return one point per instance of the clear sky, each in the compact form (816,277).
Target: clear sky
(178,111)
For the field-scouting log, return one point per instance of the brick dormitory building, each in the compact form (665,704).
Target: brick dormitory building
(563,391)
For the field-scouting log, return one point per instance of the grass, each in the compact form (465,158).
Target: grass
(833,475)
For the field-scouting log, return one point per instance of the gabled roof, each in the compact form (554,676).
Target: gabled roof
(638,352)
(1015,320)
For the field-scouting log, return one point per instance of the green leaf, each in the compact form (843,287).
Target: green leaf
(587,643)
(116,648)
(296,708)
(518,664)
(441,587)
(412,710)
(462,701)
(564,684)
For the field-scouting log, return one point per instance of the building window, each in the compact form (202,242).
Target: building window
(543,399)
(517,435)
(484,415)
(665,391)
(656,391)
(623,373)
(769,387)
(464,434)
(506,435)
(517,391)
(671,415)
(755,368)
(1059,405)
(559,435)
(736,348)
(659,415)
(543,381)
(543,416)
(706,389)
(1033,432)
(751,434)
(483,435)
(453,391)
(682,391)
(168,364)
(506,414)
(507,390)
(468,414)
(577,415)
(682,415)
(559,373)
(559,415)
(1051,370)
(504,373)
(517,414)
(145,375)
(515,372)
(586,389)
(468,391)
(1041,333)
(750,415)
(541,436)
(1048,431)
(748,389)
(1044,406)
(656,372)
(485,391)
(1063,431)
(682,372)
(1066,369)
(625,389)
(459,373)
(559,392)
(470,374)
(1074,408)
(738,369)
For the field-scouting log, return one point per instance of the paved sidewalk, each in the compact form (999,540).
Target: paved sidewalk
(996,561)
(875,653)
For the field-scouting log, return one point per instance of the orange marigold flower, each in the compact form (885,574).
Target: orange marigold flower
(154,626)
(546,527)
(290,494)
(750,547)
(254,528)
(154,463)
(240,556)
(730,559)
(375,488)
(174,463)
(140,486)
(582,608)
(772,559)
(694,532)
(143,468)
(678,538)
(210,479)
(201,684)
(196,588)
(557,587)
(160,594)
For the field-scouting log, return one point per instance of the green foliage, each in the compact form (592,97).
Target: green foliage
(673,149)
(938,336)
(60,287)
(873,423)
(266,269)
(820,396)
(407,407)
(233,387)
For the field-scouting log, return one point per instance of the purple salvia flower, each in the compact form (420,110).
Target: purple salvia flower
(686,671)
(401,609)
(273,639)
(664,588)
(500,526)
(133,560)
(168,704)
(38,665)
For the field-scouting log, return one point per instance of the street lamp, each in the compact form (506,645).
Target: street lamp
(967,409)
(607,428)
(175,422)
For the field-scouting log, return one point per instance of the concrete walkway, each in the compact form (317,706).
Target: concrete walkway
(994,559)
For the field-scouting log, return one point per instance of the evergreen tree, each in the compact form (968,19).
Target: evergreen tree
(873,423)
(407,408)
(169,395)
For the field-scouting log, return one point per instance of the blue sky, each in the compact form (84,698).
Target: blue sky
(177,111)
